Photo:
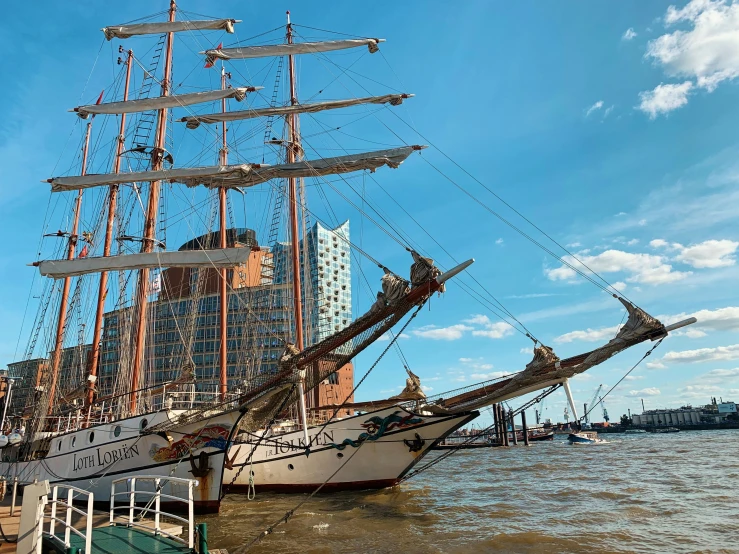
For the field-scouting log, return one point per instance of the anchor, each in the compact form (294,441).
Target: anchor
(229,464)
(201,468)
(415,445)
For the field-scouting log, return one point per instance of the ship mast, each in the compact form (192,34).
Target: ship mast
(72,244)
(112,201)
(147,245)
(293,151)
(223,382)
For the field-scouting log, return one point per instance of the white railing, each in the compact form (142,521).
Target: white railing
(67,521)
(154,497)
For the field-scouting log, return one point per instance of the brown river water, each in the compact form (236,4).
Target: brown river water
(638,493)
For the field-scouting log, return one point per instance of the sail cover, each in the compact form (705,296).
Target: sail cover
(325,166)
(219,175)
(128,31)
(242,175)
(246,52)
(194,121)
(160,102)
(224,257)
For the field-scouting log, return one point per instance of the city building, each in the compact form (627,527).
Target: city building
(713,413)
(187,310)
(259,315)
(327,284)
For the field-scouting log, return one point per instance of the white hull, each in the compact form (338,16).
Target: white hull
(92,458)
(279,462)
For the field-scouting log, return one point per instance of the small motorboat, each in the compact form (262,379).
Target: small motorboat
(665,430)
(635,431)
(584,437)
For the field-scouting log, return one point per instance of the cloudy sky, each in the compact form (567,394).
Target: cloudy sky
(612,127)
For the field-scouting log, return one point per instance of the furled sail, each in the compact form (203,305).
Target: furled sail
(245,52)
(224,257)
(193,121)
(159,28)
(219,175)
(160,102)
(546,369)
(324,166)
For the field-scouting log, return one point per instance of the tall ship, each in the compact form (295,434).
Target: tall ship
(116,382)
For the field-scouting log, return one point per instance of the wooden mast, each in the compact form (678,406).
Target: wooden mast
(71,246)
(147,244)
(112,202)
(293,150)
(223,382)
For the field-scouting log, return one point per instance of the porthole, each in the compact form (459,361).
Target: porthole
(290,467)
(339,455)
(74,441)
(117,431)
(144,423)
(91,436)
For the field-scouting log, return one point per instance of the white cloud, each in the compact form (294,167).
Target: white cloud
(658,243)
(620,214)
(562,273)
(649,391)
(478,319)
(703,355)
(656,365)
(432,332)
(629,34)
(721,375)
(424,388)
(528,351)
(664,98)
(594,108)
(710,253)
(699,391)
(720,319)
(466,360)
(707,52)
(494,331)
(589,335)
(488,376)
(574,245)
(643,268)
(499,241)
(633,377)
(619,285)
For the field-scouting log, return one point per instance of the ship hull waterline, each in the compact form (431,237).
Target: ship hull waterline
(91,458)
(374,450)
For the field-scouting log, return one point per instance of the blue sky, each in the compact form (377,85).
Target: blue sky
(610,126)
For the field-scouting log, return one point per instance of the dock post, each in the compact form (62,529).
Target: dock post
(202,538)
(504,426)
(495,423)
(513,427)
(15,495)
(525,428)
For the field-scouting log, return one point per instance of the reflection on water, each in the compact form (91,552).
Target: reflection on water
(636,493)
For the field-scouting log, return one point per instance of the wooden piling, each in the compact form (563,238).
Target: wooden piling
(496,424)
(525,429)
(504,426)
(513,428)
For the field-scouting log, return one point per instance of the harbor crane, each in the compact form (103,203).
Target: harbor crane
(605,412)
(592,403)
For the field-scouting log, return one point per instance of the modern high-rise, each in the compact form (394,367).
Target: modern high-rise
(327,286)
